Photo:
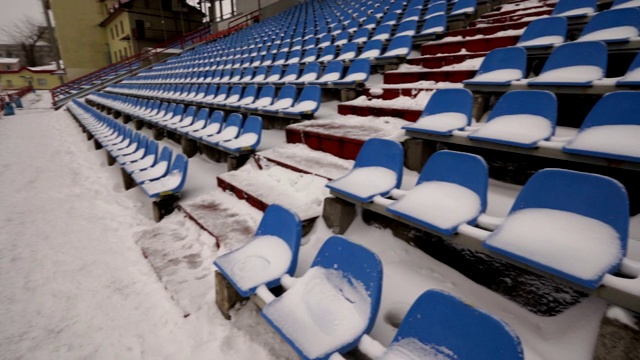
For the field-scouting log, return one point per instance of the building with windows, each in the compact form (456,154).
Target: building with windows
(94,34)
(41,78)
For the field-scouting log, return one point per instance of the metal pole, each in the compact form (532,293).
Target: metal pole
(52,39)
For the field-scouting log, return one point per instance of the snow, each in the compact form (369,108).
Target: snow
(467,10)
(543,40)
(469,64)
(167,183)
(402,102)
(609,139)
(432,30)
(211,129)
(310,161)
(623,316)
(262,260)
(329,77)
(366,182)
(441,123)
(500,75)
(571,74)
(244,140)
(355,127)
(398,51)
(576,12)
(228,133)
(354,77)
(413,349)
(633,75)
(154,172)
(573,244)
(322,312)
(614,33)
(628,4)
(280,104)
(444,205)
(520,128)
(307,105)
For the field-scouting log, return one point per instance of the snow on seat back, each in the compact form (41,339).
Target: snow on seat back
(377,171)
(435,24)
(333,304)
(632,77)
(574,8)
(171,183)
(451,190)
(249,137)
(520,118)
(612,26)
(611,129)
(621,4)
(231,129)
(272,253)
(501,66)
(544,32)
(358,72)
(440,326)
(159,168)
(446,111)
(570,224)
(574,64)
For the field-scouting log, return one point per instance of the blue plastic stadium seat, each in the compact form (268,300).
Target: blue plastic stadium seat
(361,36)
(621,4)
(612,26)
(342,38)
(341,296)
(380,160)
(520,118)
(325,40)
(611,129)
(310,55)
(230,130)
(291,74)
(328,53)
(212,127)
(358,73)
(451,190)
(248,97)
(260,75)
(279,232)
(406,28)
(274,75)
(574,8)
(501,66)
(199,122)
(382,32)
(411,15)
(265,98)
(308,102)
(463,7)
(332,72)
(247,75)
(172,182)
(187,119)
(570,224)
(159,169)
(632,77)
(294,57)
(248,138)
(446,111)
(348,52)
(441,326)
(434,25)
(310,73)
(221,95)
(371,50)
(399,48)
(544,32)
(435,8)
(574,64)
(286,98)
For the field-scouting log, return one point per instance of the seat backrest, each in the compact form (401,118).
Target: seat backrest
(310,68)
(625,23)
(359,67)
(165,155)
(406,28)
(436,8)
(594,196)
(370,22)
(281,57)
(211,91)
(513,57)
(355,262)
(450,100)
(222,93)
(217,117)
(294,56)
(292,72)
(342,38)
(283,223)
(531,102)
(361,35)
(464,7)
(399,46)
(464,169)
(621,4)
(202,115)
(372,48)
(287,92)
(592,53)
(268,91)
(614,108)
(436,24)
(180,164)
(151,148)
(348,51)
(310,55)
(237,75)
(325,40)
(309,43)
(382,32)
(178,111)
(276,71)
(233,120)
(250,92)
(247,74)
(389,18)
(441,321)
(544,31)
(411,14)
(190,112)
(384,153)
(334,67)
(574,7)
(310,98)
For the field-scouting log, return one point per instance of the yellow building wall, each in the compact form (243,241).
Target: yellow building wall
(118,30)
(40,81)
(82,42)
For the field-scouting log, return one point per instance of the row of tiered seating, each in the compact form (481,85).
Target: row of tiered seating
(349,278)
(160,175)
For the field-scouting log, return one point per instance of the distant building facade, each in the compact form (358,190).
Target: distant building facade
(94,34)
(43,53)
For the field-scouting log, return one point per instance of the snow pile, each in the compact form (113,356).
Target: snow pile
(402,102)
(444,205)
(574,244)
(324,311)
(543,40)
(356,127)
(520,128)
(576,12)
(264,259)
(412,349)
(614,33)
(628,4)
(366,182)
(308,160)
(307,105)
(244,140)
(469,64)
(633,75)
(301,193)
(441,123)
(609,139)
(500,75)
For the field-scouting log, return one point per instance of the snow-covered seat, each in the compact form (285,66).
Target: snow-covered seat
(286,98)
(291,74)
(310,73)
(574,64)
(371,50)
(274,75)
(442,326)
(574,8)
(520,118)
(332,72)
(621,4)
(198,123)
(248,96)
(130,165)
(358,73)
(328,53)
(333,305)
(230,130)
(377,171)
(570,224)
(308,102)
(446,111)
(159,169)
(501,66)
(612,26)
(406,28)
(348,52)
(265,98)
(398,49)
(171,183)
(611,129)
(463,8)
(187,119)
(632,77)
(434,25)
(269,255)
(544,32)
(435,8)
(137,154)
(248,139)
(212,89)
(451,190)
(212,127)
(382,32)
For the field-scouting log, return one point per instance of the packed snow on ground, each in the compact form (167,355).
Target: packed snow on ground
(356,127)
(76,283)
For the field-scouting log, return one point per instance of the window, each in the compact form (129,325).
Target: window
(224,9)
(9,83)
(115,56)
(42,82)
(117,31)
(120,53)
(112,36)
(126,52)
(121,28)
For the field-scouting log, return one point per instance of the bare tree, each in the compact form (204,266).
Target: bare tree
(25,33)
